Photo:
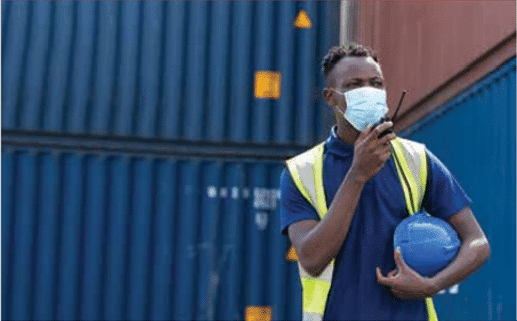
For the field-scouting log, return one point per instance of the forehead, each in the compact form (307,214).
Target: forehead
(355,67)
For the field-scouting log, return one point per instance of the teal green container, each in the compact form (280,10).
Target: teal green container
(474,135)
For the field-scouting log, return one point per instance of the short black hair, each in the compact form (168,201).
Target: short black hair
(337,52)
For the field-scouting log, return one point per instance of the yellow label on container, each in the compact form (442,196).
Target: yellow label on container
(302,20)
(258,313)
(267,84)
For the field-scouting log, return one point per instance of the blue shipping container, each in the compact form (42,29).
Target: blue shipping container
(117,237)
(178,70)
(474,135)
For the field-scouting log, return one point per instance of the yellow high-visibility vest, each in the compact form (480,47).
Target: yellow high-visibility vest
(306,171)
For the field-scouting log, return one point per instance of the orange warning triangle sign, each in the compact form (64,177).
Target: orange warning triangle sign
(291,255)
(302,20)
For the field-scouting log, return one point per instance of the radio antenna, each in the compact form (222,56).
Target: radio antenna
(398,106)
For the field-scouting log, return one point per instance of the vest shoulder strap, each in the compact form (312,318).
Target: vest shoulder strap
(306,170)
(411,163)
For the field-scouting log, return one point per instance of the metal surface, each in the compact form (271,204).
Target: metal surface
(423,44)
(171,70)
(94,237)
(110,209)
(474,136)
(148,147)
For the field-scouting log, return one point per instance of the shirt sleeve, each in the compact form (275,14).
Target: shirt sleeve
(444,196)
(293,206)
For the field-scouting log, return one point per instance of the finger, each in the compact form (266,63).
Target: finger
(385,152)
(386,139)
(401,294)
(374,133)
(378,272)
(382,147)
(392,273)
(407,295)
(382,279)
(364,134)
(382,127)
(401,265)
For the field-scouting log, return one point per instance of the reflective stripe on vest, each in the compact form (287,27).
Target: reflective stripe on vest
(306,170)
(411,163)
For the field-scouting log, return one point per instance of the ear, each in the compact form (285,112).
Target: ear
(328,95)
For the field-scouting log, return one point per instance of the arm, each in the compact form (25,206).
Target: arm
(474,251)
(405,283)
(317,243)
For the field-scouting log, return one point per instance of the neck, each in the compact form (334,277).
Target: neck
(347,133)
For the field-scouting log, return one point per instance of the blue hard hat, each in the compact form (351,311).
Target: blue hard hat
(428,244)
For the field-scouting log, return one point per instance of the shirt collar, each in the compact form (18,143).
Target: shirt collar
(338,147)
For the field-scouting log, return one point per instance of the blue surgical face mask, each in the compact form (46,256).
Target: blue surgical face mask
(364,106)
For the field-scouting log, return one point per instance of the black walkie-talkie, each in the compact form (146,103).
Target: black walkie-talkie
(384,119)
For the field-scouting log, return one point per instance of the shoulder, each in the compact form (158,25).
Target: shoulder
(308,156)
(444,194)
(288,189)
(294,206)
(411,145)
(286,180)
(433,163)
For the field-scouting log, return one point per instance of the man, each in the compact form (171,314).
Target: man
(365,203)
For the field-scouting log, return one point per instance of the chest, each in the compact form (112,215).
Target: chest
(382,196)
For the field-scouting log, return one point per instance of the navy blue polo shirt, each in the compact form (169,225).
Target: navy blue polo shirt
(355,293)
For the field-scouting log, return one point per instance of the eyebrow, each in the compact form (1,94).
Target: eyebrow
(361,79)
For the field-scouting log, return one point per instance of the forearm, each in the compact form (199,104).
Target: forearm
(472,254)
(323,242)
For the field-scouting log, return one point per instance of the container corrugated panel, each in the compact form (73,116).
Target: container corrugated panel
(474,135)
(173,70)
(92,236)
(423,44)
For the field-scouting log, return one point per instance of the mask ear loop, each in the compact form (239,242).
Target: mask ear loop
(340,93)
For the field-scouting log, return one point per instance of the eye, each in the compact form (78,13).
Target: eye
(351,85)
(377,83)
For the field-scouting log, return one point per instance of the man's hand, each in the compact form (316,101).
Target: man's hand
(404,282)
(371,152)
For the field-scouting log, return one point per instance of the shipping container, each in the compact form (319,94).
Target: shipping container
(432,49)
(141,162)
(117,237)
(474,136)
(140,165)
(175,70)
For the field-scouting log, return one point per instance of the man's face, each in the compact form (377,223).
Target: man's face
(351,73)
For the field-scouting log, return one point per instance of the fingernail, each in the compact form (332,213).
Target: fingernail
(398,249)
